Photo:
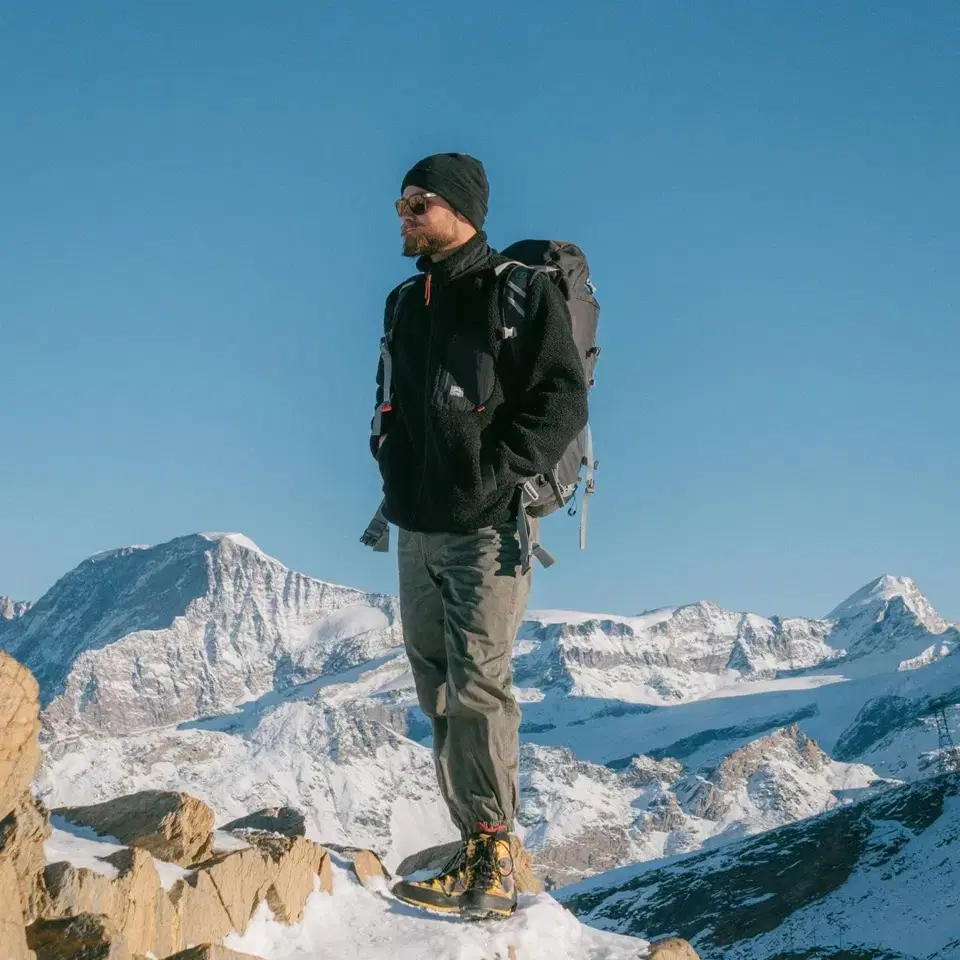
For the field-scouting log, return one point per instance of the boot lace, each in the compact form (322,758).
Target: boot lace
(486,862)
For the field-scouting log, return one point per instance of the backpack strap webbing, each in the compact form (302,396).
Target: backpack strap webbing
(590,487)
(530,548)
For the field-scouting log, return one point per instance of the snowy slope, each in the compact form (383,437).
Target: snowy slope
(369,923)
(878,879)
(145,636)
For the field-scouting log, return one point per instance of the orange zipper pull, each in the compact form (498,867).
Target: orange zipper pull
(426,289)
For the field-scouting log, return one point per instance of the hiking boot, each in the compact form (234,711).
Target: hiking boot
(440,893)
(491,892)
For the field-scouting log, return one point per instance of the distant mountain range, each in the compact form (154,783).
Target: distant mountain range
(205,665)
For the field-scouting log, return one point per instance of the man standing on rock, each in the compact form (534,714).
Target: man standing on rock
(464,418)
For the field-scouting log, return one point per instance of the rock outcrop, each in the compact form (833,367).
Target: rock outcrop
(19,726)
(84,937)
(133,900)
(672,949)
(367,866)
(13,936)
(212,951)
(22,834)
(61,910)
(172,826)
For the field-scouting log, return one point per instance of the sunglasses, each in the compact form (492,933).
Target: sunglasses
(416,203)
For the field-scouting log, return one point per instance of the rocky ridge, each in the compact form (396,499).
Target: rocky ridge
(130,903)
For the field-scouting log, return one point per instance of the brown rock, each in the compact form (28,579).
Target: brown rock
(19,726)
(172,826)
(23,833)
(296,863)
(13,937)
(212,951)
(367,865)
(85,937)
(672,949)
(527,881)
(200,914)
(222,894)
(283,820)
(133,900)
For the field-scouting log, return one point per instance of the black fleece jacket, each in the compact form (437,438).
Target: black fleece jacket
(473,415)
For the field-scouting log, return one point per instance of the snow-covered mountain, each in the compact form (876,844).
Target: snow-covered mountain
(205,665)
(143,637)
(876,879)
(12,609)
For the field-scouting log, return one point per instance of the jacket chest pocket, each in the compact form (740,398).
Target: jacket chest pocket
(466,378)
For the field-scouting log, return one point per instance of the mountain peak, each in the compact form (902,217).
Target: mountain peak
(237,538)
(872,600)
(13,609)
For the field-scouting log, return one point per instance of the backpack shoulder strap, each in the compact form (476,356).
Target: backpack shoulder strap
(390,316)
(514,287)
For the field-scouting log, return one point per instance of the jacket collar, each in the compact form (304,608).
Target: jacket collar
(465,259)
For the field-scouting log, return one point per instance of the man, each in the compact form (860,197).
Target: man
(469,417)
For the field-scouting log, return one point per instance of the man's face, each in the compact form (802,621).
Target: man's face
(431,232)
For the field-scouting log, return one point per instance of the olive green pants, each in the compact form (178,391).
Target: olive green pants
(462,598)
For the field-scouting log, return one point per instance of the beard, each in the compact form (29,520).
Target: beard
(425,241)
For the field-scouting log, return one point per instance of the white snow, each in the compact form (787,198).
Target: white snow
(82,847)
(356,922)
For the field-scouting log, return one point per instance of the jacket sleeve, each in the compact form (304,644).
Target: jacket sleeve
(385,417)
(545,399)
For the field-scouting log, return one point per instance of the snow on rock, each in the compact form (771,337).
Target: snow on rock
(12,609)
(872,879)
(356,922)
(355,780)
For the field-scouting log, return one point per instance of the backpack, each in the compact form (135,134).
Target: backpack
(566,266)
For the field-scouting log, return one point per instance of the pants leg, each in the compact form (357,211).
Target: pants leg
(484,596)
(422,619)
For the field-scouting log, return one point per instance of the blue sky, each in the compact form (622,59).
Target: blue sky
(196,236)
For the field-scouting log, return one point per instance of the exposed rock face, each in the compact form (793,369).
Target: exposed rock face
(19,726)
(712,798)
(86,937)
(283,820)
(133,901)
(222,894)
(13,937)
(672,949)
(172,826)
(217,898)
(212,951)
(367,866)
(292,864)
(22,835)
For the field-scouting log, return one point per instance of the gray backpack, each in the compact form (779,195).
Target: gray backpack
(567,268)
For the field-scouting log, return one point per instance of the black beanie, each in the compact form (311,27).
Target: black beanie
(456,177)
